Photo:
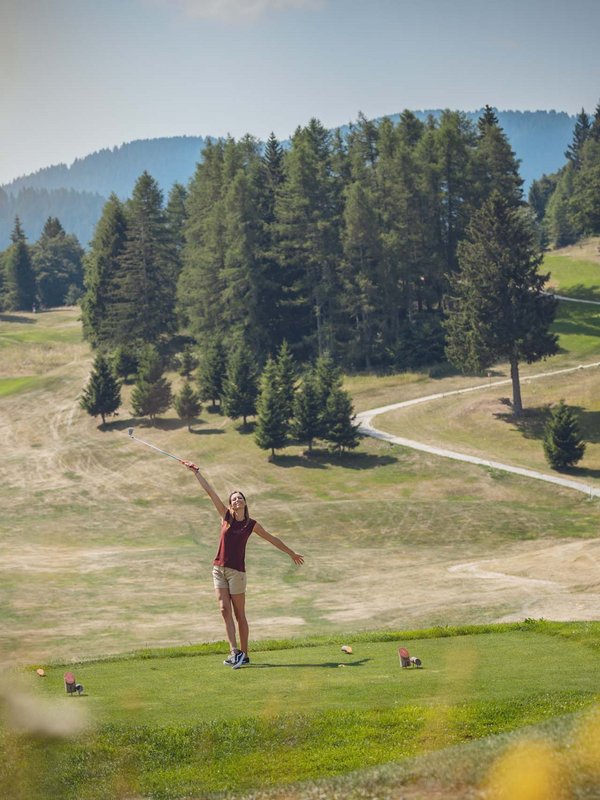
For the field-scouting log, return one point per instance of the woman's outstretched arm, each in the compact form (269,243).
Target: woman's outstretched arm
(217,502)
(276,542)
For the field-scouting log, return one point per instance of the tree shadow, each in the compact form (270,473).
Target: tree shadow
(321,459)
(249,427)
(578,472)
(205,431)
(581,292)
(323,665)
(15,318)
(531,422)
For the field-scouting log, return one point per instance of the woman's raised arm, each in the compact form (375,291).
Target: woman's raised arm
(217,502)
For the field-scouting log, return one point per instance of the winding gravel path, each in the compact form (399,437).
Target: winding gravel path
(366,427)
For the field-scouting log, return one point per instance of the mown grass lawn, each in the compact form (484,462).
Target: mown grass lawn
(186,726)
(573,277)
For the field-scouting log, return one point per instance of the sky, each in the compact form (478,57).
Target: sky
(77,76)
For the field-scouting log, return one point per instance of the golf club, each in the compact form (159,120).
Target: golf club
(164,452)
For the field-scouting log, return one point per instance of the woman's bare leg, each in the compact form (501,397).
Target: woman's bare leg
(224,600)
(239,606)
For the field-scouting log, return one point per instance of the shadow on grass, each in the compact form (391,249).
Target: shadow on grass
(581,292)
(323,665)
(532,422)
(15,318)
(321,459)
(159,425)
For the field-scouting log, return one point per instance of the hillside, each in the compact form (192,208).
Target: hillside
(75,193)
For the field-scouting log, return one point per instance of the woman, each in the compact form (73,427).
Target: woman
(229,568)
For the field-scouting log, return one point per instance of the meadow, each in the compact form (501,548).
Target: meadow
(105,555)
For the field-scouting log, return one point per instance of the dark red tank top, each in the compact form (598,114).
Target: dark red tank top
(232,546)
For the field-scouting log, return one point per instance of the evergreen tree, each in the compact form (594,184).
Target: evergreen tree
(240,389)
(271,422)
(124,362)
(307,422)
(563,445)
(285,369)
(102,395)
(455,141)
(497,308)
(200,286)
(151,394)
(176,217)
(339,427)
(20,284)
(559,221)
(187,404)
(145,307)
(584,204)
(495,167)
(187,362)
(580,134)
(102,275)
(58,264)
(211,372)
(308,212)
(360,273)
(540,193)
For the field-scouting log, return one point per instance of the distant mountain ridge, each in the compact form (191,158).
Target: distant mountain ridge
(76,193)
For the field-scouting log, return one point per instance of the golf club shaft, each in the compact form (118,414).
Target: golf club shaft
(164,452)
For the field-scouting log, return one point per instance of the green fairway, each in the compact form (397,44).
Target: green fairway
(573,277)
(185,726)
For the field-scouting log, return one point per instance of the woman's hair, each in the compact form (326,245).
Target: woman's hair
(246,512)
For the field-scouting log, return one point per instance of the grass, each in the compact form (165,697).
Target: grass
(573,277)
(186,726)
(106,548)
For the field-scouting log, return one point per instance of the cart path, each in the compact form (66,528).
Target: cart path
(366,427)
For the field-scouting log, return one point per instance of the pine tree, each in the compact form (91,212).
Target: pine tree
(563,445)
(102,276)
(211,372)
(200,285)
(339,427)
(308,212)
(124,362)
(144,307)
(187,404)
(187,362)
(271,424)
(495,166)
(20,284)
(285,369)
(58,264)
(307,422)
(151,394)
(240,388)
(176,217)
(102,395)
(497,307)
(580,134)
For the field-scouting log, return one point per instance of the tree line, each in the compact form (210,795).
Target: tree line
(46,274)
(289,408)
(337,245)
(567,202)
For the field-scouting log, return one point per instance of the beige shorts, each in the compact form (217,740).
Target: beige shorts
(227,578)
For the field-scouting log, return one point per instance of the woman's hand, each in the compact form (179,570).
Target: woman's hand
(297,559)
(190,465)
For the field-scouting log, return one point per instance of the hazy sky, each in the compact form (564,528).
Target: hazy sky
(80,75)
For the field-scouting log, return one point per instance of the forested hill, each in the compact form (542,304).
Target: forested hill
(75,194)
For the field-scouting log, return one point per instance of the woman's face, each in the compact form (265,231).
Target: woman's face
(237,501)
